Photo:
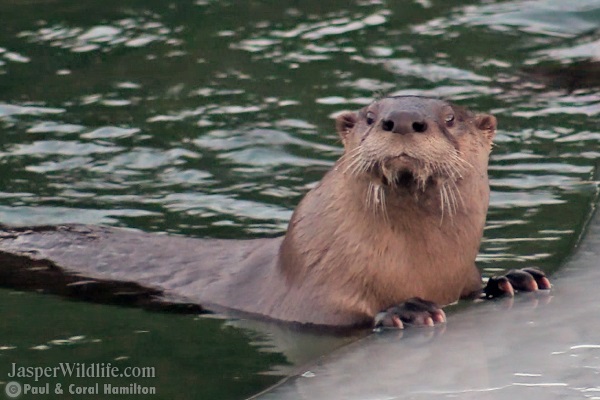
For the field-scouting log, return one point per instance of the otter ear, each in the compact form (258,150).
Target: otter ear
(344,124)
(486,123)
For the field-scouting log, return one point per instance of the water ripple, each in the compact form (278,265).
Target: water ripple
(540,17)
(60,147)
(7,110)
(128,32)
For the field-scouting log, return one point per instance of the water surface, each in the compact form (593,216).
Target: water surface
(212,119)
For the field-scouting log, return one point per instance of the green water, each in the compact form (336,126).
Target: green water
(213,118)
(189,354)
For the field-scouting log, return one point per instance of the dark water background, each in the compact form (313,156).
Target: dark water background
(213,118)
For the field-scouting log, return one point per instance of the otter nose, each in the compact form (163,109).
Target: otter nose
(404,122)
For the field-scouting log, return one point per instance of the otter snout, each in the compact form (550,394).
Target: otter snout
(404,122)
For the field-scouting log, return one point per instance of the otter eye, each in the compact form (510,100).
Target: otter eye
(370,118)
(449,120)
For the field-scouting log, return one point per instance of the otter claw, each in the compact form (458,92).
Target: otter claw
(414,311)
(521,280)
(542,281)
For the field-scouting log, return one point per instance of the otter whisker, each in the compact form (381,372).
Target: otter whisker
(353,165)
(421,183)
(452,172)
(348,156)
(355,159)
(367,166)
(371,197)
(387,173)
(461,161)
(381,196)
(447,171)
(452,197)
(457,192)
(443,200)
(375,199)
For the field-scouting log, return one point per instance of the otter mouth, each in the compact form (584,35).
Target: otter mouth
(403,178)
(399,171)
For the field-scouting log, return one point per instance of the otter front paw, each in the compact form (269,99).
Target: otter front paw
(523,280)
(413,311)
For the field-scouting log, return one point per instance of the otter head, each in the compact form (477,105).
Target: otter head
(415,145)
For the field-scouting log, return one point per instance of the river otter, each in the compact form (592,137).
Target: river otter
(398,219)
(390,232)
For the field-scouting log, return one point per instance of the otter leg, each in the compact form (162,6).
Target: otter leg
(521,280)
(415,311)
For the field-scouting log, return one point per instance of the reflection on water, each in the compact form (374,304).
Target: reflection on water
(212,119)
